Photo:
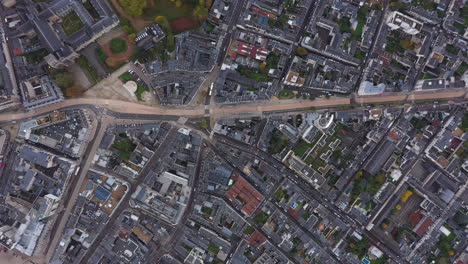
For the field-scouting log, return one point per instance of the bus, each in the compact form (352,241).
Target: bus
(211,89)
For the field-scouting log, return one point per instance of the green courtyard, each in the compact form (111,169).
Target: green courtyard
(71,24)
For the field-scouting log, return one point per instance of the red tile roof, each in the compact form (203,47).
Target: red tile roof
(252,51)
(415,217)
(259,11)
(424,226)
(386,58)
(257,239)
(393,136)
(294,214)
(17,51)
(246,193)
(454,144)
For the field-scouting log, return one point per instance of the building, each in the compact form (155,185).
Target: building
(368,88)
(36,156)
(47,206)
(324,121)
(243,191)
(8,3)
(251,51)
(39,91)
(47,25)
(409,25)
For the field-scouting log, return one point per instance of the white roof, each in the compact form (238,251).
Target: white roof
(368,88)
(445,231)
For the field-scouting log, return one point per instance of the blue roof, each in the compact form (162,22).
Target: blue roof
(221,175)
(101,193)
(262,20)
(27,179)
(39,158)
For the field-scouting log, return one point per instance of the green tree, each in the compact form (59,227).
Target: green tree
(406,44)
(200,12)
(179,3)
(301,51)
(345,25)
(164,23)
(204,123)
(133,8)
(132,37)
(126,26)
(170,42)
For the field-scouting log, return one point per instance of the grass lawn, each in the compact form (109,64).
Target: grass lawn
(168,9)
(213,249)
(124,147)
(125,77)
(286,94)
(86,66)
(461,69)
(139,91)
(71,24)
(302,148)
(356,35)
(118,45)
(428,76)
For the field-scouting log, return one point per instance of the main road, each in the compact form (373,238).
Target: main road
(256,108)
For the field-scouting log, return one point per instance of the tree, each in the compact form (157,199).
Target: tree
(132,37)
(208,3)
(179,3)
(170,42)
(200,12)
(126,26)
(74,91)
(344,25)
(204,123)
(111,62)
(63,79)
(133,8)
(301,51)
(164,23)
(406,44)
(127,29)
